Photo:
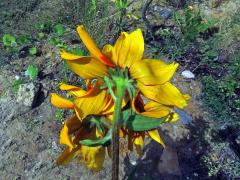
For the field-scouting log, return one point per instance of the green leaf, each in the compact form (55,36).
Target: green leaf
(98,142)
(41,35)
(16,84)
(59,29)
(78,51)
(137,122)
(9,40)
(33,51)
(24,39)
(32,72)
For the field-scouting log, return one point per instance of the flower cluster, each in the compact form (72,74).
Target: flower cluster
(147,104)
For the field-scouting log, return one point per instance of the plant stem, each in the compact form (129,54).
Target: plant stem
(116,125)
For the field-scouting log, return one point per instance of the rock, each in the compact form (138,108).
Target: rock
(28,93)
(162,11)
(168,164)
(188,74)
(185,117)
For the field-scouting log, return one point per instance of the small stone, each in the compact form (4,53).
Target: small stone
(17,77)
(188,74)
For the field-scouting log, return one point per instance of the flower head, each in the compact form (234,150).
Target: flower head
(86,134)
(150,75)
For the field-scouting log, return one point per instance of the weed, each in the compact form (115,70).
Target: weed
(16,84)
(9,41)
(59,29)
(33,50)
(32,72)
(221,158)
(59,115)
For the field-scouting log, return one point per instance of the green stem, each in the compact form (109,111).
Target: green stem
(120,86)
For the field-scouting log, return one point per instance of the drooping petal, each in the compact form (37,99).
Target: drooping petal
(93,157)
(128,48)
(156,110)
(67,156)
(138,142)
(166,94)
(72,124)
(74,90)
(61,102)
(86,67)
(91,104)
(154,134)
(91,46)
(152,72)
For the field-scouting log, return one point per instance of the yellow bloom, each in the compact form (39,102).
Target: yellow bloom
(151,75)
(73,131)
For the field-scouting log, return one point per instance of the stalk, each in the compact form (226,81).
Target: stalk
(120,87)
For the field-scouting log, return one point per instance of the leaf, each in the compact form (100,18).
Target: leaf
(16,84)
(32,72)
(33,51)
(137,122)
(59,29)
(9,40)
(78,51)
(98,142)
(23,39)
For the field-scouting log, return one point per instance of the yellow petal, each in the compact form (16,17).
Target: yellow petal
(155,136)
(128,48)
(173,117)
(93,157)
(74,90)
(67,156)
(138,142)
(71,125)
(86,67)
(92,104)
(108,50)
(91,46)
(166,94)
(152,72)
(156,110)
(60,102)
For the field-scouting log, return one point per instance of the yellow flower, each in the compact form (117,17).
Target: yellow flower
(151,75)
(73,131)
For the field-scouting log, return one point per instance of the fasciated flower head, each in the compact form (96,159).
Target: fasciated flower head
(150,75)
(151,80)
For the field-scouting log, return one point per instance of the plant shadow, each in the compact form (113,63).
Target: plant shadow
(182,159)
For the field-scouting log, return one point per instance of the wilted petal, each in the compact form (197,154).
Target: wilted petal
(93,157)
(67,156)
(71,125)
